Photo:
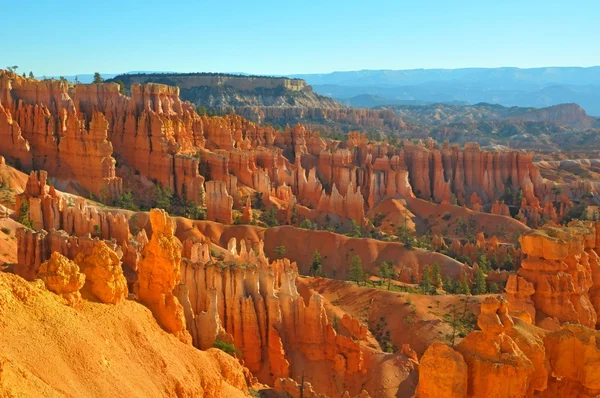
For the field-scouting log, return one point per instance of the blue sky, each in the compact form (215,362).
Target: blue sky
(283,37)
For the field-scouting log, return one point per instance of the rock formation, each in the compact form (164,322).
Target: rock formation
(158,138)
(103,272)
(557,278)
(442,373)
(159,271)
(509,352)
(492,356)
(62,277)
(253,303)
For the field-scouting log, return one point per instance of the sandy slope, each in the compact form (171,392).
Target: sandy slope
(49,350)
(413,319)
(336,250)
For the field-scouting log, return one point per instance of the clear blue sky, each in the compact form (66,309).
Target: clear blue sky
(69,37)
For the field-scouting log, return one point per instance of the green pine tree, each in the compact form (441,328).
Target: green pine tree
(386,273)
(425,285)
(479,284)
(357,273)
(463,285)
(436,276)
(484,263)
(449,285)
(316,266)
(164,199)
(355,230)
(97,78)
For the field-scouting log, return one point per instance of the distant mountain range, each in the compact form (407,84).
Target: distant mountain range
(536,87)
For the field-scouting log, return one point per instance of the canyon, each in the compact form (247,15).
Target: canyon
(255,252)
(282,101)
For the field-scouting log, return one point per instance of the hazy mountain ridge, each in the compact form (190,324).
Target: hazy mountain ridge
(571,115)
(537,87)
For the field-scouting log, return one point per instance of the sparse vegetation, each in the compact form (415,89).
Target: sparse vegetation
(125,201)
(357,273)
(279,250)
(163,198)
(306,224)
(355,230)
(316,266)
(386,273)
(227,347)
(24,215)
(269,217)
(461,321)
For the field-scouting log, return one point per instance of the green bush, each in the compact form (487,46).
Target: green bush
(6,230)
(125,201)
(227,347)
(306,224)
(24,215)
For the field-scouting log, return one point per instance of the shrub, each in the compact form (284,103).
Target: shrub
(335,323)
(306,224)
(226,347)
(355,230)
(24,215)
(316,266)
(164,199)
(269,217)
(279,250)
(5,230)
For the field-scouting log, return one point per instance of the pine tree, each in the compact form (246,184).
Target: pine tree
(316,266)
(294,217)
(463,285)
(484,263)
(386,272)
(494,261)
(449,285)
(97,78)
(355,230)
(164,198)
(269,217)
(425,284)
(306,224)
(357,272)
(507,263)
(479,284)
(31,75)
(436,276)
